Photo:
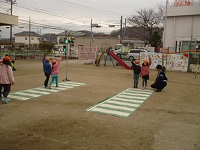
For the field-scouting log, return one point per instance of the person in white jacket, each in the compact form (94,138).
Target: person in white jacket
(6,79)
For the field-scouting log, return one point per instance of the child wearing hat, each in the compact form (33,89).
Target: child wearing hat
(55,71)
(145,70)
(136,72)
(6,79)
(161,80)
(46,69)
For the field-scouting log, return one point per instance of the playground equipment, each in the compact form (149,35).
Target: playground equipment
(119,60)
(103,52)
(106,51)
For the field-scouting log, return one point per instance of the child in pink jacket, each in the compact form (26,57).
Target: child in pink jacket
(6,79)
(55,71)
(145,72)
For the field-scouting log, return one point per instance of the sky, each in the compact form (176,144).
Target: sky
(72,15)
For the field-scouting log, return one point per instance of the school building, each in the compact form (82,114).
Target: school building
(182,26)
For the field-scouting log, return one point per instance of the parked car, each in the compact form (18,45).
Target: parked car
(134,54)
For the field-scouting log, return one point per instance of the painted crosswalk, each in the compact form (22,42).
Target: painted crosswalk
(122,104)
(37,92)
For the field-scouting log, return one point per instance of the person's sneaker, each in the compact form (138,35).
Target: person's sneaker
(49,86)
(8,99)
(158,90)
(5,100)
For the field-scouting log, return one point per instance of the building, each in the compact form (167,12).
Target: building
(7,20)
(29,39)
(182,26)
(83,39)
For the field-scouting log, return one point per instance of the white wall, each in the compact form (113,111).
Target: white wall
(21,39)
(183,24)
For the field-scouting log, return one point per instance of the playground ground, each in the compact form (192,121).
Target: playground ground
(169,120)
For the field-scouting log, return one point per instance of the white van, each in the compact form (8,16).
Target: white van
(134,54)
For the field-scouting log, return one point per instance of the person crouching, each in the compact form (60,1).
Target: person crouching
(161,80)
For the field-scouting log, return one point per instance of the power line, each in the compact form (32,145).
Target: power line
(49,13)
(84,7)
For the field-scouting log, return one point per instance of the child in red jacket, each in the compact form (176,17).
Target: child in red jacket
(145,72)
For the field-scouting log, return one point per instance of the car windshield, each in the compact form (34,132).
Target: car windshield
(117,47)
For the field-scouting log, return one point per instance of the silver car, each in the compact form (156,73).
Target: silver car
(134,54)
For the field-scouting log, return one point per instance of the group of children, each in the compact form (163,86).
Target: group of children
(141,72)
(51,70)
(144,70)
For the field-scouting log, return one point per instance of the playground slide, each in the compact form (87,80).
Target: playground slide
(119,60)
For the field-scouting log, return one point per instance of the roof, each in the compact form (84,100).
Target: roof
(73,33)
(26,33)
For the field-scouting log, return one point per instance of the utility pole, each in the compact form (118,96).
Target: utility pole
(11,2)
(11,8)
(124,30)
(121,34)
(29,42)
(91,33)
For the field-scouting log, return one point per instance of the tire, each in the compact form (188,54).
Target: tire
(131,58)
(119,55)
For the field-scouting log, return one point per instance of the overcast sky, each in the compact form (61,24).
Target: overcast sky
(72,14)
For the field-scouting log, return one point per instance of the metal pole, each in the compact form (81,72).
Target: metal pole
(29,43)
(165,27)
(11,2)
(124,29)
(66,79)
(164,34)
(91,33)
(121,31)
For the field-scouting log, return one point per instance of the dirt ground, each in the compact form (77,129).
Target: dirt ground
(169,120)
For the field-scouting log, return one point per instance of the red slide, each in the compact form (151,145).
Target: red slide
(119,60)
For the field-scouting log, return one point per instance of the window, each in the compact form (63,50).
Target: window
(32,38)
(135,51)
(25,38)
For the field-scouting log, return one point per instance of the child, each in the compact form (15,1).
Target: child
(136,71)
(161,80)
(46,69)
(55,71)
(6,79)
(145,72)
(13,65)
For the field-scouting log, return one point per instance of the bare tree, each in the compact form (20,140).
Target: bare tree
(147,21)
(160,11)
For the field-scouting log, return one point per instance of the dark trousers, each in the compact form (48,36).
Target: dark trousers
(136,79)
(159,84)
(6,90)
(47,79)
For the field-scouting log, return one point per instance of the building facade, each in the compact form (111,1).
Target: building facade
(182,27)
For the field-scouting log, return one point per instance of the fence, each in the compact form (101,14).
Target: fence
(187,61)
(88,53)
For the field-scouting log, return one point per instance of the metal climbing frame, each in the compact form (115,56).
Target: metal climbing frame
(103,52)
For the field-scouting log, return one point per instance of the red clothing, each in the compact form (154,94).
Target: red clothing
(145,69)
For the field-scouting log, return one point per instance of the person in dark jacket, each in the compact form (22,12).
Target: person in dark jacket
(161,80)
(46,69)
(136,72)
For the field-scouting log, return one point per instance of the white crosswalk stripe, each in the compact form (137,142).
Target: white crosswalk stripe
(122,104)
(37,92)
